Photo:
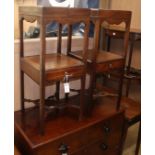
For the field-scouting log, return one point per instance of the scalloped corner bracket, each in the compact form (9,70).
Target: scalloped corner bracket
(30,19)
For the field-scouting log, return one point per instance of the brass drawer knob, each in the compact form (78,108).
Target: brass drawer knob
(106,129)
(103,146)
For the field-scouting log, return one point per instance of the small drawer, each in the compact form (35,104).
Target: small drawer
(98,148)
(75,141)
(104,67)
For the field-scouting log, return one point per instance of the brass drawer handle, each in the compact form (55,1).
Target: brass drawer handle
(104,147)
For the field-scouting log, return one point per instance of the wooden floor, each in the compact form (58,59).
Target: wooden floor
(130,144)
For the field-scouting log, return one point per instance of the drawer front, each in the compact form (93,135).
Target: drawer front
(104,67)
(108,131)
(56,75)
(98,148)
(74,141)
(113,130)
(110,144)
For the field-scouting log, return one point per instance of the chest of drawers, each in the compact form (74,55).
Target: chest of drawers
(100,134)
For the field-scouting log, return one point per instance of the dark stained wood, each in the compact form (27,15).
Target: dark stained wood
(80,136)
(57,95)
(132,111)
(59,39)
(54,13)
(116,17)
(117,32)
(21,72)
(69,41)
(132,107)
(105,61)
(54,69)
(46,69)
(101,61)
(133,39)
(102,56)
(42,77)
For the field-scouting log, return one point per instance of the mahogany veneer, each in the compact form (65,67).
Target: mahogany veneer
(45,69)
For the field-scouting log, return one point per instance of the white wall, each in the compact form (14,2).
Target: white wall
(132,5)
